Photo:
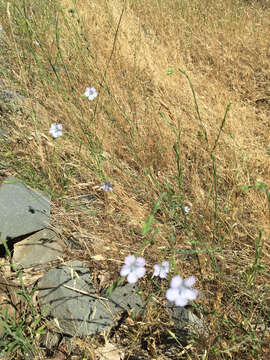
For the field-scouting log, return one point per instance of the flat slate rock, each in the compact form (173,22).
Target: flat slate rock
(72,300)
(39,248)
(74,305)
(22,210)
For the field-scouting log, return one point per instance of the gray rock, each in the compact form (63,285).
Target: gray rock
(37,249)
(22,210)
(72,301)
(186,320)
(126,298)
(11,97)
(10,100)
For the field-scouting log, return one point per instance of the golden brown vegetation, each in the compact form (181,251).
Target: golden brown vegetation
(131,134)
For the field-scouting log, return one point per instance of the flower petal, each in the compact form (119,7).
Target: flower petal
(193,294)
(156,270)
(186,209)
(140,261)
(87,92)
(140,271)
(190,281)
(166,265)
(172,294)
(176,281)
(181,301)
(132,278)
(163,273)
(130,260)
(125,270)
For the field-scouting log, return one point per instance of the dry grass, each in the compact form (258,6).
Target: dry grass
(128,134)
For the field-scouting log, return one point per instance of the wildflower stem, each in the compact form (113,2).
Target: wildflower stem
(196,105)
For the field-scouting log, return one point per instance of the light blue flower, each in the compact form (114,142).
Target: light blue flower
(134,268)
(186,209)
(107,186)
(180,291)
(56,130)
(162,269)
(91,93)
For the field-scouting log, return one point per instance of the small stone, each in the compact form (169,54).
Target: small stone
(10,100)
(11,97)
(186,320)
(39,248)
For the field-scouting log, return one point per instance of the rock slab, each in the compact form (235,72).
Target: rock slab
(76,308)
(39,248)
(22,210)
(72,301)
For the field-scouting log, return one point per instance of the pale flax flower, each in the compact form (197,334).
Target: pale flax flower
(56,130)
(180,291)
(107,186)
(91,93)
(186,209)
(162,269)
(134,268)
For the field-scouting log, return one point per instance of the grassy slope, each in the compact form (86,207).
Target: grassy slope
(131,135)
